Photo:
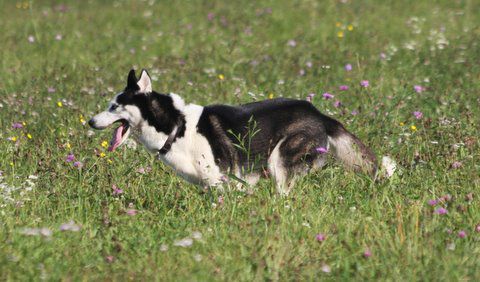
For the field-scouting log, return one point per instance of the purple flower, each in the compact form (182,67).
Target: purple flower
(309,64)
(462,234)
(320,237)
(310,97)
(78,164)
(292,43)
(364,83)
(440,211)
(116,190)
(432,202)
(131,212)
(321,150)
(418,115)
(327,96)
(354,113)
(418,88)
(446,198)
(456,164)
(348,67)
(343,87)
(367,253)
(70,158)
(51,90)
(210,16)
(337,104)
(17,125)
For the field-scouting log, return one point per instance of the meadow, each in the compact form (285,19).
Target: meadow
(404,76)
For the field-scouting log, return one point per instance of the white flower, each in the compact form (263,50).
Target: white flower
(186,242)
(389,166)
(70,226)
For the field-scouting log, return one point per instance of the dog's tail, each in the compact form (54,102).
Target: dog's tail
(348,149)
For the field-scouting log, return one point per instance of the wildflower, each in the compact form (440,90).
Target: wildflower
(338,24)
(70,158)
(413,128)
(186,242)
(446,198)
(210,16)
(59,104)
(418,115)
(477,228)
(109,161)
(68,146)
(58,37)
(82,120)
(292,43)
(104,144)
(109,259)
(401,124)
(432,202)
(367,253)
(116,190)
(418,88)
(326,268)
(462,234)
(350,27)
(70,226)
(309,64)
(383,56)
(29,136)
(102,155)
(337,104)
(348,67)
(31,38)
(164,248)
(51,90)
(320,237)
(17,125)
(270,96)
(131,212)
(13,139)
(196,235)
(440,211)
(310,97)
(321,150)
(220,200)
(340,34)
(456,164)
(221,77)
(343,87)
(141,170)
(78,164)
(354,113)
(327,96)
(45,232)
(364,83)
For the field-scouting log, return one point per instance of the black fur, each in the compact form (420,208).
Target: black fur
(299,122)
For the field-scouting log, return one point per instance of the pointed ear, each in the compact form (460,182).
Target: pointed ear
(145,83)
(132,80)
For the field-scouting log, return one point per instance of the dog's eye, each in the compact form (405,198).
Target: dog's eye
(113,107)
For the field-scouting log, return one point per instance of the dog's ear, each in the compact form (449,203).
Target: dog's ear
(145,83)
(132,80)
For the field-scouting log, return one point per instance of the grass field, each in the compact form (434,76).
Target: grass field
(62,220)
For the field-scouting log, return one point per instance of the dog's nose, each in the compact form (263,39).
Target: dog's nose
(91,122)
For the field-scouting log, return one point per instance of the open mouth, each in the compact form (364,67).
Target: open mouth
(119,135)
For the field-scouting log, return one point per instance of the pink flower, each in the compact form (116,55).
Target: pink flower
(418,88)
(17,125)
(364,83)
(320,237)
(367,253)
(292,43)
(50,90)
(326,268)
(210,16)
(440,211)
(432,202)
(337,104)
(354,113)
(309,64)
(418,115)
(462,234)
(310,97)
(321,150)
(117,191)
(109,259)
(348,67)
(343,87)
(456,165)
(58,37)
(477,228)
(383,56)
(327,96)
(131,212)
(220,200)
(78,164)
(70,158)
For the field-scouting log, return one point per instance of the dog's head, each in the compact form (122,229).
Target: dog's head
(124,109)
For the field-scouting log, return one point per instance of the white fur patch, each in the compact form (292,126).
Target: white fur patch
(389,166)
(277,169)
(145,83)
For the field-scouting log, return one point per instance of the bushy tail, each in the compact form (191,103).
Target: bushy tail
(348,149)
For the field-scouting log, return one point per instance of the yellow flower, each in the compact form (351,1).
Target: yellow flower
(59,104)
(340,34)
(104,144)
(413,128)
(14,138)
(29,136)
(102,155)
(270,96)
(82,121)
(11,163)
(109,161)
(338,24)
(401,124)
(221,77)
(24,123)
(350,27)
(68,146)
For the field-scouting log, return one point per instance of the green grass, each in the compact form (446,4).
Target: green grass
(258,236)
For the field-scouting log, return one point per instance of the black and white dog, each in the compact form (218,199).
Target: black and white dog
(283,138)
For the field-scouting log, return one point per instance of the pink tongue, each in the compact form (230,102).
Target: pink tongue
(116,139)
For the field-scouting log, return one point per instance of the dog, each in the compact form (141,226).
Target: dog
(210,145)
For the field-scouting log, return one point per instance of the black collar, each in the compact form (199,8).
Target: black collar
(171,138)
